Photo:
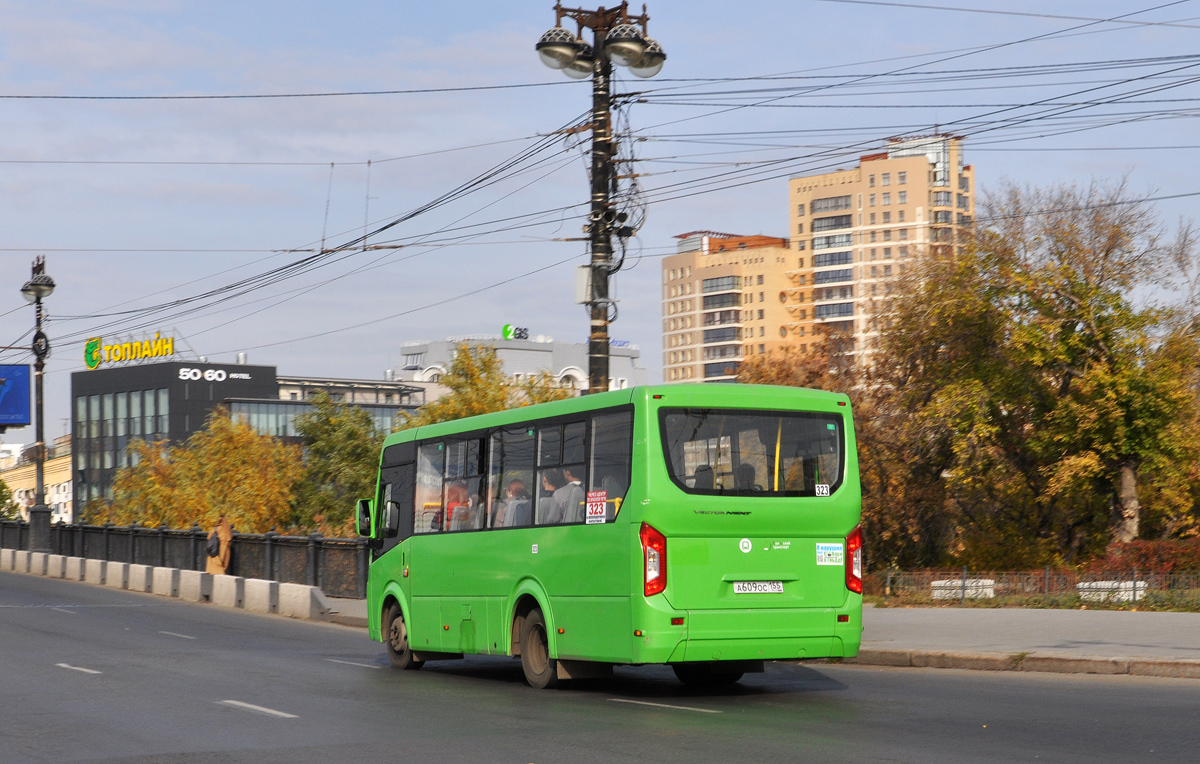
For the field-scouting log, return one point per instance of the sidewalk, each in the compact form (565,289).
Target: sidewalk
(1019,639)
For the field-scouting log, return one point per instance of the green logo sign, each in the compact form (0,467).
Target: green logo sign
(510,332)
(91,353)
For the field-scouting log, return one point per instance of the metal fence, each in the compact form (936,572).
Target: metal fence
(962,584)
(337,566)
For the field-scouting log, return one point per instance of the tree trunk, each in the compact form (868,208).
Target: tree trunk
(1128,509)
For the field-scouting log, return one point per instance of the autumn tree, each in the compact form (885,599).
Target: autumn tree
(341,454)
(8,508)
(478,385)
(224,469)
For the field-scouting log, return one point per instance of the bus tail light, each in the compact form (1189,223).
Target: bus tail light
(654,551)
(854,545)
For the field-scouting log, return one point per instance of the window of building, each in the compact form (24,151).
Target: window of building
(887,217)
(830,204)
(727,334)
(942,199)
(886,178)
(760,297)
(887,253)
(964,184)
(800,210)
(871,181)
(832,277)
(760,313)
(900,216)
(887,234)
(832,223)
(902,197)
(874,273)
(826,259)
(799,228)
(760,278)
(887,199)
(871,200)
(902,178)
(721,284)
(871,218)
(887,270)
(903,234)
(873,235)
(834,310)
(903,252)
(833,241)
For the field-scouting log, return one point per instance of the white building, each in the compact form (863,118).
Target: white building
(566,362)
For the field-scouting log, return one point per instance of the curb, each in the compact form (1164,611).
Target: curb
(296,601)
(1030,662)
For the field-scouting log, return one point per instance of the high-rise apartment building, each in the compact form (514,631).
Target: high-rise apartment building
(855,231)
(724,299)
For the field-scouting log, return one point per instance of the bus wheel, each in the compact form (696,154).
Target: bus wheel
(705,675)
(541,671)
(396,639)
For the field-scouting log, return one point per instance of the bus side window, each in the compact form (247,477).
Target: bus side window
(464,485)
(511,489)
(396,487)
(427,509)
(561,473)
(612,455)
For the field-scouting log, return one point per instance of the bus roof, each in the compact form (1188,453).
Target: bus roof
(717,395)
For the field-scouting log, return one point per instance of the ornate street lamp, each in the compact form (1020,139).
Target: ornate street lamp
(39,286)
(617,38)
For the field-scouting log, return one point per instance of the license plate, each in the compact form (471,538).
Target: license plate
(758,587)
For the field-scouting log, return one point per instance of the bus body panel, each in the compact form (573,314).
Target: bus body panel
(463,587)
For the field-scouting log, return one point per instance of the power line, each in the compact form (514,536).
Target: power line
(990,11)
(253,96)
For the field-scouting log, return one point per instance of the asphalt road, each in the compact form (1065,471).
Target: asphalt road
(93,674)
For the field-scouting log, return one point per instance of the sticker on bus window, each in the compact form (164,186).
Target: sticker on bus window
(822,489)
(830,554)
(596,501)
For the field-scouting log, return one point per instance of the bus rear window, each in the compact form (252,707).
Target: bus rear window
(736,452)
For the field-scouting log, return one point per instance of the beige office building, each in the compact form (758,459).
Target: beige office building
(855,231)
(724,299)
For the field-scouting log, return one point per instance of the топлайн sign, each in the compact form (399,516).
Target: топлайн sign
(95,352)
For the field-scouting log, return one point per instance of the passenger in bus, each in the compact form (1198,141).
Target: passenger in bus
(571,495)
(516,510)
(745,477)
(550,510)
(456,505)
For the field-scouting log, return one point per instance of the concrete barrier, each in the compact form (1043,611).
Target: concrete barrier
(1111,591)
(261,596)
(955,588)
(21,562)
(93,571)
(37,563)
(195,586)
(228,591)
(300,601)
(116,575)
(165,582)
(76,568)
(140,578)
(56,565)
(6,558)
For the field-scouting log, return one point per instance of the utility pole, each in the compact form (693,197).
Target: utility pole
(620,38)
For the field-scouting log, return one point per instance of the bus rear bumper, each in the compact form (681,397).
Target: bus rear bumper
(766,634)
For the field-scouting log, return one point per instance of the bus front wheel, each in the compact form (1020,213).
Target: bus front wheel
(396,639)
(705,675)
(541,671)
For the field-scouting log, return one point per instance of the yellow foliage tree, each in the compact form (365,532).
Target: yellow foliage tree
(225,469)
(478,386)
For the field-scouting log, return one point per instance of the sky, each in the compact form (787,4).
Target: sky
(137,203)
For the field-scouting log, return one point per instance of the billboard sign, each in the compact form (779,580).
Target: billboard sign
(14,396)
(95,352)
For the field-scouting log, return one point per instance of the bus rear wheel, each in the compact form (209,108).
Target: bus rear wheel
(541,671)
(395,636)
(706,675)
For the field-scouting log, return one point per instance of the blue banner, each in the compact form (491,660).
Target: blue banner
(14,396)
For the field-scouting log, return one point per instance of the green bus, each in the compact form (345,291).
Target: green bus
(706,527)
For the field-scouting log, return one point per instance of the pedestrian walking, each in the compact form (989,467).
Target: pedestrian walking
(217,547)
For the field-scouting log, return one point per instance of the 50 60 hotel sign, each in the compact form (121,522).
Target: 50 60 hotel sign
(95,352)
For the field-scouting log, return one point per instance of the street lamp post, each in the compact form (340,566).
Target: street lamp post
(618,38)
(40,285)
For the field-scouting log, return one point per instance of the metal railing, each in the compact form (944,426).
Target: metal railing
(337,566)
(960,584)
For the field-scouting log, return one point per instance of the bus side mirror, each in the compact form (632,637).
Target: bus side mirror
(364,517)
(392,518)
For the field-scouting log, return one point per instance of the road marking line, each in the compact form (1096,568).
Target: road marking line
(173,634)
(68,612)
(352,663)
(665,705)
(77,668)
(257,709)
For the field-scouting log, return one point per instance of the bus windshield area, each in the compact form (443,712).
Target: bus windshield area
(731,452)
